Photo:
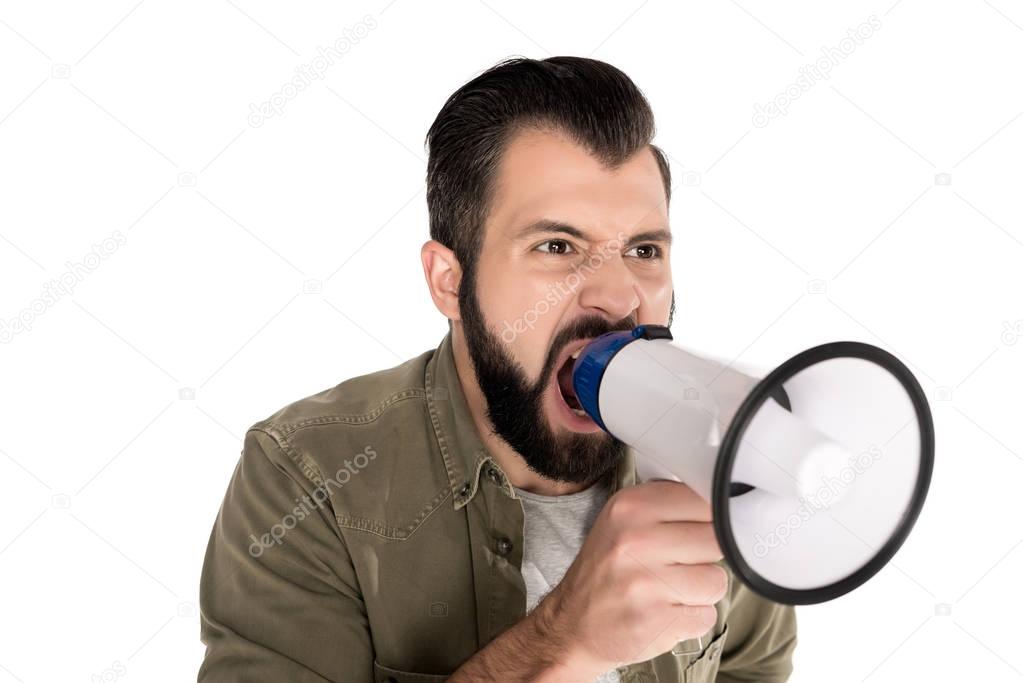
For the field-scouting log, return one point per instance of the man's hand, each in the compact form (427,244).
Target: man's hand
(643,580)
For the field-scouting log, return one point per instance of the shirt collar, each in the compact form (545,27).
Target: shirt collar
(460,444)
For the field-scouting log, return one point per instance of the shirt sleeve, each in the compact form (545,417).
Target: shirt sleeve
(279,598)
(761,639)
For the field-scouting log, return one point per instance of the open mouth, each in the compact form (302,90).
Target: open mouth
(565,383)
(567,409)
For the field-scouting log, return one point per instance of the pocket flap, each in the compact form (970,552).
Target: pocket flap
(703,669)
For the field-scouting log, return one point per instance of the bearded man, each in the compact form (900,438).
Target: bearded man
(458,517)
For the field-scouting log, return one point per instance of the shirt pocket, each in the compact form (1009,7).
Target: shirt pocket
(704,668)
(383,674)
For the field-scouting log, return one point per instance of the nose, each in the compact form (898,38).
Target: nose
(609,287)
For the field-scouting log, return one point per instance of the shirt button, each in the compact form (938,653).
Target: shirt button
(464,491)
(493,475)
(504,546)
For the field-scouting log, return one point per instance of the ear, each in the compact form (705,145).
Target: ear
(443,276)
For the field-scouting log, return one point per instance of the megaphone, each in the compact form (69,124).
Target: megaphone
(815,473)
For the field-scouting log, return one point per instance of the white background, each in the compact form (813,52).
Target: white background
(262,264)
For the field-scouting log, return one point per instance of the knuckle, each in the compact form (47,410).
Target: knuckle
(634,541)
(623,545)
(620,507)
(636,589)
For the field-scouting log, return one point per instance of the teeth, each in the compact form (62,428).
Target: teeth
(579,411)
(576,354)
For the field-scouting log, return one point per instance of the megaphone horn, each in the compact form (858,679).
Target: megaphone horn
(815,474)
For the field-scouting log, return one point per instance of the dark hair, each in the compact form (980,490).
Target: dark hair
(594,103)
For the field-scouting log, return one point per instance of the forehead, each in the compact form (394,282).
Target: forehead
(545,174)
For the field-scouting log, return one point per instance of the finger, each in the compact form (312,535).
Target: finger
(668,501)
(693,621)
(691,584)
(675,543)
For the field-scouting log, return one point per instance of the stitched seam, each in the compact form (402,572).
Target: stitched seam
(308,469)
(476,469)
(439,430)
(279,433)
(392,532)
(289,428)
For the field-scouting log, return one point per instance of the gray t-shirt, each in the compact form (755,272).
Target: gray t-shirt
(555,528)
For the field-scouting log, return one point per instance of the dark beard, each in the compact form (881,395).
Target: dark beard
(515,407)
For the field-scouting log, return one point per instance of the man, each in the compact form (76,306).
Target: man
(457,517)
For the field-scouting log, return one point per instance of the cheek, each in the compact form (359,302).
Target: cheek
(657,291)
(523,309)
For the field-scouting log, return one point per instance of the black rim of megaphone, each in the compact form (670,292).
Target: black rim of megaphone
(733,436)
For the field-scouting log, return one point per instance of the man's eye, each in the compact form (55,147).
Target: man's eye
(555,247)
(645,251)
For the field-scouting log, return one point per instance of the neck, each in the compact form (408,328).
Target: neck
(514,466)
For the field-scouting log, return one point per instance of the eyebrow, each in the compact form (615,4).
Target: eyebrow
(545,225)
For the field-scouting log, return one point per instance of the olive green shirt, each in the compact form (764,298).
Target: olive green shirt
(368,535)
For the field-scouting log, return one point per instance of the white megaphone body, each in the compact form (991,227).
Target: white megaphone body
(815,473)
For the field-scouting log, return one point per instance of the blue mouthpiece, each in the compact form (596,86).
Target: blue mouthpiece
(596,356)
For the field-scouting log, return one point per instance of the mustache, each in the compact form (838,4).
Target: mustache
(582,328)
